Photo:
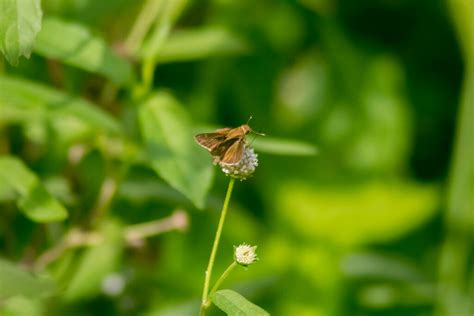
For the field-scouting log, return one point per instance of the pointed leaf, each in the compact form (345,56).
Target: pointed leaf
(34,201)
(73,44)
(235,304)
(166,129)
(20,21)
(25,101)
(288,147)
(186,45)
(21,306)
(14,281)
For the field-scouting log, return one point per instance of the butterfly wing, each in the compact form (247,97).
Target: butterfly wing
(210,141)
(233,155)
(223,131)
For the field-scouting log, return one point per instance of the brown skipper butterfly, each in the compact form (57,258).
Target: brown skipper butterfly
(226,145)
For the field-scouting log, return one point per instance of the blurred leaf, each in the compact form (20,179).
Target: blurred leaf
(7,193)
(462,11)
(166,130)
(190,308)
(379,266)
(384,296)
(356,214)
(383,136)
(186,45)
(21,306)
(96,263)
(35,202)
(303,90)
(235,304)
(74,45)
(278,146)
(23,101)
(143,189)
(60,188)
(14,281)
(20,21)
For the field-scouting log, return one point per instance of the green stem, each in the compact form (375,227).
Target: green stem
(223,276)
(455,263)
(142,25)
(207,279)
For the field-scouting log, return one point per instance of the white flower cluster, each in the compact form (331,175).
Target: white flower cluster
(244,168)
(245,254)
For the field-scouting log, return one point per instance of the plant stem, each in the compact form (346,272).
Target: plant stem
(205,292)
(106,195)
(223,276)
(171,9)
(178,220)
(132,234)
(455,263)
(142,25)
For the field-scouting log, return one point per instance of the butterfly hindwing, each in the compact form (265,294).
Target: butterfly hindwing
(233,155)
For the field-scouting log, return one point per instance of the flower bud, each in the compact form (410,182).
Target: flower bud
(245,255)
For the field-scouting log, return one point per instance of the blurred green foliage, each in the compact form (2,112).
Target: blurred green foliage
(362,203)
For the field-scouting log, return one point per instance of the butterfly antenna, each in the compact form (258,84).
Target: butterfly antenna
(248,121)
(254,132)
(260,134)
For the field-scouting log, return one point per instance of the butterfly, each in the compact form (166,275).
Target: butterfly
(226,145)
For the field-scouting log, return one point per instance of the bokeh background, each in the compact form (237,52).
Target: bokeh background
(378,222)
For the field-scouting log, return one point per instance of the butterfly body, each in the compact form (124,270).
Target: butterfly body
(226,145)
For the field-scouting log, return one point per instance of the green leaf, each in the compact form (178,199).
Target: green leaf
(186,45)
(20,21)
(15,281)
(187,308)
(278,146)
(24,101)
(21,306)
(74,45)
(235,304)
(35,202)
(166,129)
(356,213)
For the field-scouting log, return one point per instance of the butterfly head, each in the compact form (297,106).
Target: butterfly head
(245,129)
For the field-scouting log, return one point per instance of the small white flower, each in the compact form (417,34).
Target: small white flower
(245,255)
(244,168)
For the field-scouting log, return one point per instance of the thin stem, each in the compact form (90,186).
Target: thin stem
(133,235)
(106,195)
(205,292)
(455,260)
(176,221)
(142,25)
(223,276)
(107,192)
(74,239)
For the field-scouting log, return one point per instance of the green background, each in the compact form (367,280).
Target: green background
(378,222)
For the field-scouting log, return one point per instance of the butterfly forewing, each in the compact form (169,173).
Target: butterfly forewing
(210,141)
